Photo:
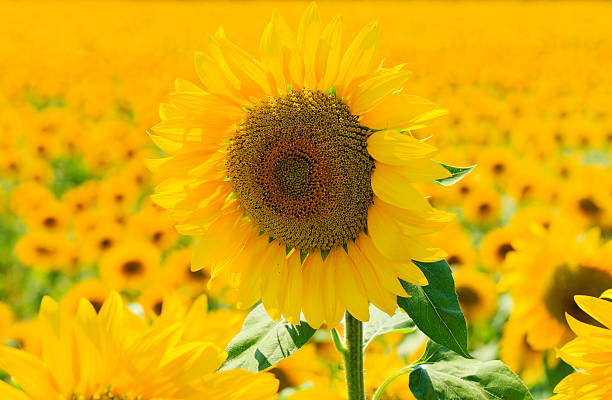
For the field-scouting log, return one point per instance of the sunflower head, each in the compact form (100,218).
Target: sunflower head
(300,160)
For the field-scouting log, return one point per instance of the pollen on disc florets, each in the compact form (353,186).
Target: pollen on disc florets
(299,167)
(107,395)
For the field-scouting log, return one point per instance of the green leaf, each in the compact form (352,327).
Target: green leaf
(263,342)
(445,375)
(380,323)
(435,308)
(457,173)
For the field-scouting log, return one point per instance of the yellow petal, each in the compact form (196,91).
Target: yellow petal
(8,392)
(377,293)
(32,375)
(600,309)
(419,170)
(402,112)
(313,290)
(275,261)
(358,59)
(371,92)
(395,148)
(351,288)
(328,53)
(413,223)
(291,281)
(389,186)
(253,79)
(389,239)
(211,74)
(277,46)
(308,36)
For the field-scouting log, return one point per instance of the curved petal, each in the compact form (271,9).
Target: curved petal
(358,59)
(308,36)
(328,54)
(402,112)
(396,148)
(389,186)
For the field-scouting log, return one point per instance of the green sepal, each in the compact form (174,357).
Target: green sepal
(457,173)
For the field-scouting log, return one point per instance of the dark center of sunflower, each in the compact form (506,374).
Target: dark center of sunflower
(499,168)
(132,267)
(468,297)
(106,243)
(157,307)
(50,222)
(589,207)
(484,208)
(454,260)
(503,250)
(568,282)
(299,167)
(199,275)
(96,304)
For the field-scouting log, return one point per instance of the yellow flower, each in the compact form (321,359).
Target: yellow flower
(546,271)
(495,247)
(589,352)
(515,351)
(131,265)
(296,171)
(46,250)
(482,206)
(114,355)
(477,294)
(94,291)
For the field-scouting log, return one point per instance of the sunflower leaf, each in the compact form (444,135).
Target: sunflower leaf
(435,308)
(380,323)
(263,342)
(457,173)
(442,374)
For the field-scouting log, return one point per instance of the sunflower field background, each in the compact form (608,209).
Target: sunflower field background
(529,91)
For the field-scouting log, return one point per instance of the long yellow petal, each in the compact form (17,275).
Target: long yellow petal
(275,262)
(373,91)
(8,392)
(277,48)
(291,279)
(351,288)
(600,309)
(396,148)
(312,290)
(419,170)
(402,112)
(413,223)
(29,371)
(308,36)
(328,54)
(389,186)
(358,59)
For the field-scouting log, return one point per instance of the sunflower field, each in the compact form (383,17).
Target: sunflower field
(255,200)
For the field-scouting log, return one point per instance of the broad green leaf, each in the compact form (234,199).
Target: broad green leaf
(380,323)
(435,308)
(457,173)
(445,375)
(263,342)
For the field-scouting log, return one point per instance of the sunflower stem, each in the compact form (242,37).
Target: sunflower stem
(381,389)
(353,358)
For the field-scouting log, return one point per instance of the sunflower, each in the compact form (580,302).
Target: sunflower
(544,274)
(495,247)
(45,250)
(114,355)
(131,265)
(482,206)
(296,171)
(477,294)
(589,352)
(515,351)
(93,290)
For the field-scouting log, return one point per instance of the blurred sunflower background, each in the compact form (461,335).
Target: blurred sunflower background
(529,90)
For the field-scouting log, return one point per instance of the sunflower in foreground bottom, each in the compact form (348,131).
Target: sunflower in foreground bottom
(296,171)
(589,352)
(114,355)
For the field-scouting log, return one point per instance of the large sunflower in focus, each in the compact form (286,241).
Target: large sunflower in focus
(296,171)
(546,271)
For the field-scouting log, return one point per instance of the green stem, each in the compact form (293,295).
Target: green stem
(381,388)
(353,358)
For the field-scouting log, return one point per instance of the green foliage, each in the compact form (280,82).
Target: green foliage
(380,323)
(263,342)
(457,174)
(435,308)
(442,374)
